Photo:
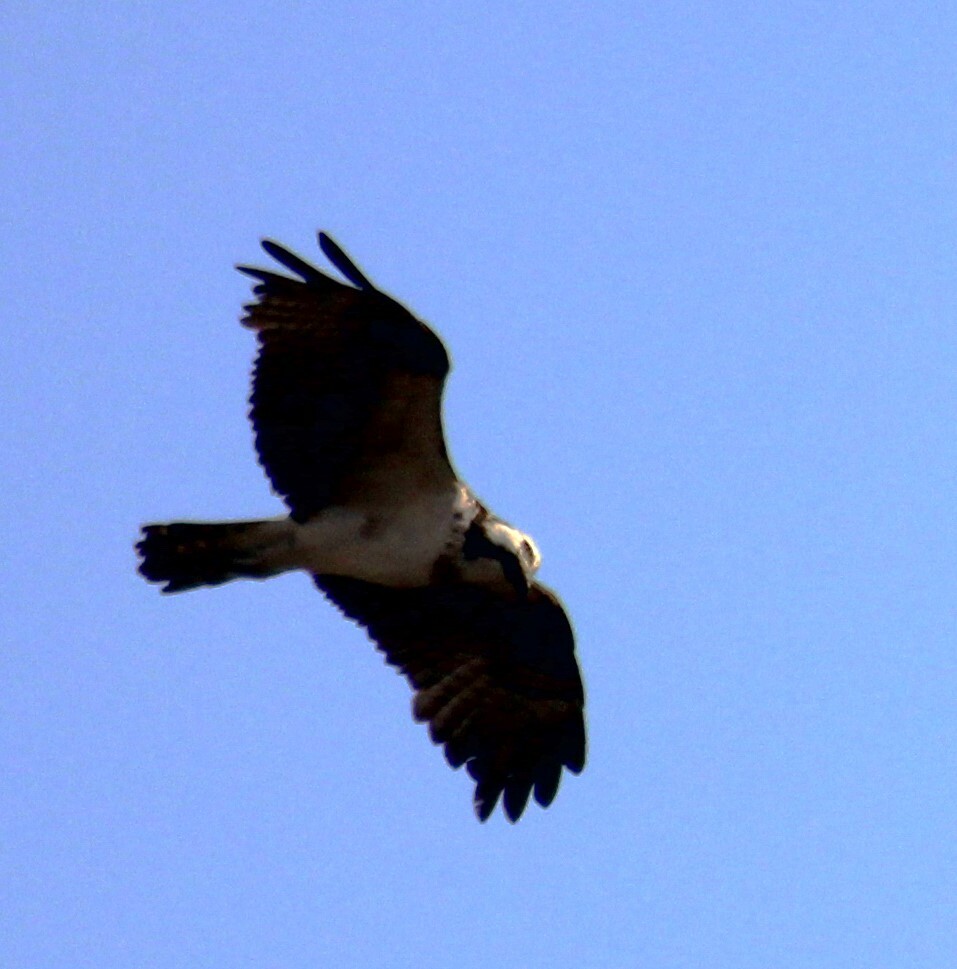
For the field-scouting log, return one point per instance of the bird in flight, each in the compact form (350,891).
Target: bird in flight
(346,406)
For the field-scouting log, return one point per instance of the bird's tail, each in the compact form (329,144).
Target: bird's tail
(186,555)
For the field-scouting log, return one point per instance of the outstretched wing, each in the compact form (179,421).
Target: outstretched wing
(496,680)
(347,387)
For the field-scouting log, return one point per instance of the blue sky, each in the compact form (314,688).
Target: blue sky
(696,269)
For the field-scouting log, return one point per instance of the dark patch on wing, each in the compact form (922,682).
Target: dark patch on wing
(496,679)
(346,380)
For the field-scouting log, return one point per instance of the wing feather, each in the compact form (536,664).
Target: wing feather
(347,387)
(342,262)
(496,679)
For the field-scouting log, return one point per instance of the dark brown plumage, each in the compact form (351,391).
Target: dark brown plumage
(495,679)
(346,408)
(339,374)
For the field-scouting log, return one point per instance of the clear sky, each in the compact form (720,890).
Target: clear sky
(696,266)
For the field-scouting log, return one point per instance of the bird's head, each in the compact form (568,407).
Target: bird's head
(516,551)
(508,537)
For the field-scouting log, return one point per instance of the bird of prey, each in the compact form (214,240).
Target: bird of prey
(346,406)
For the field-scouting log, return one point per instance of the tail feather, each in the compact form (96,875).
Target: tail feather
(186,555)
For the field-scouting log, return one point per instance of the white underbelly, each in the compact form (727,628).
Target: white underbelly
(396,547)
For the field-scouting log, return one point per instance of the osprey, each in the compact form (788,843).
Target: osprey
(347,410)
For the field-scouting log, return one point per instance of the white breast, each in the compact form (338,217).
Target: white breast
(395,547)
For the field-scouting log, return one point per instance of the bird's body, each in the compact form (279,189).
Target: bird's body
(346,405)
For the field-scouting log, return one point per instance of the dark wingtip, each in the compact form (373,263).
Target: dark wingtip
(333,252)
(294,263)
(259,274)
(546,783)
(576,747)
(484,806)
(515,798)
(268,279)
(306,272)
